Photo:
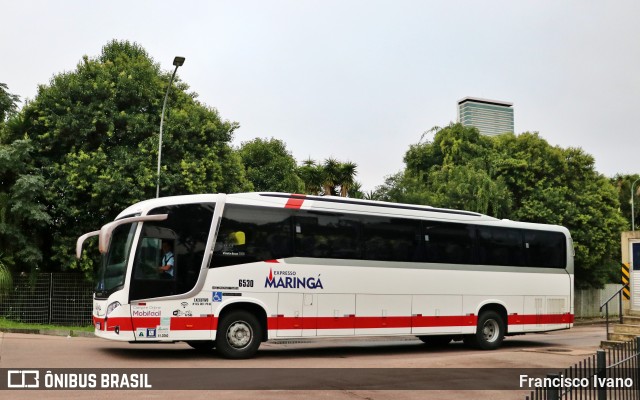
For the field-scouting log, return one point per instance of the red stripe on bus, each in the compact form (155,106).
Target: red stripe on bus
(294,203)
(447,320)
(124,323)
(321,323)
(351,322)
(192,323)
(542,319)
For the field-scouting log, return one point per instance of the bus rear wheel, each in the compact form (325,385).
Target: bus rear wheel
(238,335)
(489,332)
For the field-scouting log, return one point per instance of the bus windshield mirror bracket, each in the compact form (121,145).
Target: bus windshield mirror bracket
(81,240)
(107,230)
(104,234)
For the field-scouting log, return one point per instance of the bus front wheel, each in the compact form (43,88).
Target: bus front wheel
(238,335)
(489,332)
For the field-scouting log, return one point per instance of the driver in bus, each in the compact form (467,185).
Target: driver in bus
(166,270)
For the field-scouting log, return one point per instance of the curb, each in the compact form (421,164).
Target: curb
(590,321)
(50,332)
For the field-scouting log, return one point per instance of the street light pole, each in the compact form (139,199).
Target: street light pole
(633,224)
(177,61)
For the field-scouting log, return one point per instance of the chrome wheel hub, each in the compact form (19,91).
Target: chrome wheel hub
(239,334)
(490,330)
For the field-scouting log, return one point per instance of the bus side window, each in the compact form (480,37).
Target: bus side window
(390,239)
(335,235)
(545,249)
(446,242)
(249,234)
(500,246)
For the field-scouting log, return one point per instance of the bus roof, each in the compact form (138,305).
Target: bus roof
(333,204)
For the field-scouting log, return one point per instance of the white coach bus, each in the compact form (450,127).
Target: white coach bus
(257,266)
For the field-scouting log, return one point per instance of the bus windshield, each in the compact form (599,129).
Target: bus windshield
(113,270)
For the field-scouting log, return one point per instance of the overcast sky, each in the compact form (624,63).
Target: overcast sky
(362,80)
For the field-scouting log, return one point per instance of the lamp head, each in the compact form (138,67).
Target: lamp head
(178,61)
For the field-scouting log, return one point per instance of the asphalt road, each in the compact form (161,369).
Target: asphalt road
(555,350)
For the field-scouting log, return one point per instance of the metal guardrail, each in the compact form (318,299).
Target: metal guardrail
(606,306)
(619,365)
(50,298)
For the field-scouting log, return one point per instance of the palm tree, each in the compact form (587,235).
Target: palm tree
(311,174)
(326,178)
(346,177)
(331,176)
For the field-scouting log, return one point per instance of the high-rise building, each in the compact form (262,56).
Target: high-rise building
(491,117)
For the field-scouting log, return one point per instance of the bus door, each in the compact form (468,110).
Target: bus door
(158,311)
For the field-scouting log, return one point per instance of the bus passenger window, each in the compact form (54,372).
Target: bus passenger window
(334,235)
(500,246)
(448,243)
(249,234)
(546,249)
(390,239)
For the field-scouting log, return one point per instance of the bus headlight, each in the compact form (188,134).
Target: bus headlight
(112,307)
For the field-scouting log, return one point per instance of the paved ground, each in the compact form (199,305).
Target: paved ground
(556,350)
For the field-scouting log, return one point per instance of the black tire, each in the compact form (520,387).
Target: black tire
(470,340)
(202,345)
(489,333)
(436,340)
(239,335)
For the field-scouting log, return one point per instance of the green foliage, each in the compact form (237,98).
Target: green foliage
(521,178)
(8,102)
(6,281)
(331,178)
(270,167)
(312,176)
(623,184)
(22,211)
(94,133)
(9,324)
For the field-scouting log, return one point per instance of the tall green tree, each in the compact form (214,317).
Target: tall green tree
(8,103)
(521,178)
(270,167)
(623,184)
(94,132)
(22,211)
(312,176)
(456,170)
